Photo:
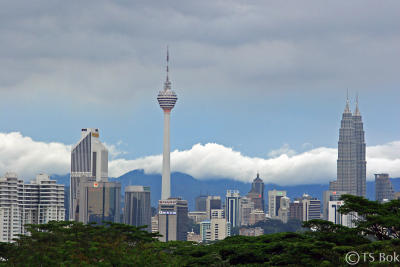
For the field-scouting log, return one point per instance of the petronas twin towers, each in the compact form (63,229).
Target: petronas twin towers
(351,164)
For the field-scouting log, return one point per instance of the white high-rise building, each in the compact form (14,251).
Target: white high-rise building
(167,99)
(284,208)
(274,202)
(219,227)
(338,218)
(37,202)
(89,163)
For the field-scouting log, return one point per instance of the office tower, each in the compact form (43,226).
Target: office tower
(330,195)
(167,99)
(173,219)
(89,163)
(99,202)
(37,202)
(205,231)
(198,216)
(336,217)
(284,207)
(383,187)
(351,164)
(256,216)
(219,227)
(137,210)
(311,208)
(274,201)
(212,202)
(246,207)
(232,206)
(200,203)
(256,193)
(296,210)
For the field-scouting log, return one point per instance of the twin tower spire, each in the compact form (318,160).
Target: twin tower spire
(347,108)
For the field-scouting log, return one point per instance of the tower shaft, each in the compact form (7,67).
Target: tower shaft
(166,169)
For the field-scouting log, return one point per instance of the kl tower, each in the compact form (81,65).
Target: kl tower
(167,99)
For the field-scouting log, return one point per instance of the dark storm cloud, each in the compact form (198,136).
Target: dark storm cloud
(114,50)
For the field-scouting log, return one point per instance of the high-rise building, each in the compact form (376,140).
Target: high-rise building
(99,202)
(232,206)
(89,163)
(305,208)
(167,99)
(173,219)
(383,187)
(296,210)
(219,227)
(311,208)
(351,164)
(212,202)
(205,231)
(274,202)
(284,208)
(338,218)
(246,207)
(37,202)
(256,193)
(137,210)
(330,195)
(201,203)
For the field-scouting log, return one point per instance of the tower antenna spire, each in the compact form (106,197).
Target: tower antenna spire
(167,64)
(357,112)
(347,108)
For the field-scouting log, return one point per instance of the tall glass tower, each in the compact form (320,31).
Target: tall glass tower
(167,99)
(89,163)
(351,164)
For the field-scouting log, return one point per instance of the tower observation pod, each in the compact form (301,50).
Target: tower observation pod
(167,99)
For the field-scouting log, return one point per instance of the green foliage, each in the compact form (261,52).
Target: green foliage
(76,244)
(382,220)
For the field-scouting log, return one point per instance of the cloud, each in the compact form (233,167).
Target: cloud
(112,51)
(28,157)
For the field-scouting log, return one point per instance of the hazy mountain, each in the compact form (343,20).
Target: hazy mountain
(189,188)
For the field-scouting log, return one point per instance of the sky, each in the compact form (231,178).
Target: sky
(261,85)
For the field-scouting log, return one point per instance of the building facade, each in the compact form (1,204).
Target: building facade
(213,202)
(219,227)
(383,187)
(173,219)
(232,206)
(284,209)
(274,202)
(330,195)
(99,202)
(137,210)
(336,217)
(200,203)
(37,202)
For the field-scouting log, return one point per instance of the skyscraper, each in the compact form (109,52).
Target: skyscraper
(383,187)
(200,203)
(173,219)
(274,202)
(89,163)
(232,205)
(351,164)
(167,99)
(256,193)
(137,210)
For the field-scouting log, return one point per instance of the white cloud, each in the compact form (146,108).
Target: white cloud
(28,157)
